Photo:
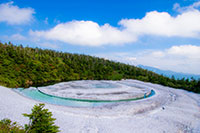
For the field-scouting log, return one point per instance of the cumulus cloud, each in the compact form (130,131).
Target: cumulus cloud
(12,14)
(163,24)
(86,33)
(183,58)
(186,24)
(188,51)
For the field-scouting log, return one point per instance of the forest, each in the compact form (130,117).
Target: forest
(25,66)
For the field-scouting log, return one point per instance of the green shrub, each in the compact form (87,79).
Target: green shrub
(7,126)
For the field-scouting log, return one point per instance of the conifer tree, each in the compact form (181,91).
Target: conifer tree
(40,121)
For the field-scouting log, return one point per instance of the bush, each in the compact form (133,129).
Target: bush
(6,126)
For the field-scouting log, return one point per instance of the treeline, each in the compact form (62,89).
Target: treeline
(24,66)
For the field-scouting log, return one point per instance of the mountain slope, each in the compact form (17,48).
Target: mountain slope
(24,66)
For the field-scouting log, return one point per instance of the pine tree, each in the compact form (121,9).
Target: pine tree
(40,121)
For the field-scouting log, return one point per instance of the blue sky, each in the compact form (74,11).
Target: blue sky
(160,33)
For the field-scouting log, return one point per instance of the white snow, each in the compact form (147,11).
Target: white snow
(169,110)
(96,90)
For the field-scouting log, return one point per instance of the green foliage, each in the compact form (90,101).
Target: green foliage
(6,126)
(41,121)
(23,67)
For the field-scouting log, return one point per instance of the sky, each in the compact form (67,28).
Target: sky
(164,34)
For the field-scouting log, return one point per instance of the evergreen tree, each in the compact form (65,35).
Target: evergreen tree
(40,121)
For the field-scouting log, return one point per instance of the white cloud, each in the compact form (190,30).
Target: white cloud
(131,58)
(188,51)
(194,6)
(49,45)
(85,33)
(177,7)
(163,24)
(15,37)
(14,15)
(183,58)
(186,24)
(158,54)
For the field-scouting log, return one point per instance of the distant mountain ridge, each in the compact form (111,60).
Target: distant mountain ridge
(169,73)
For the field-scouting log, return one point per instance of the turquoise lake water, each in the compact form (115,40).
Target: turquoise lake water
(37,95)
